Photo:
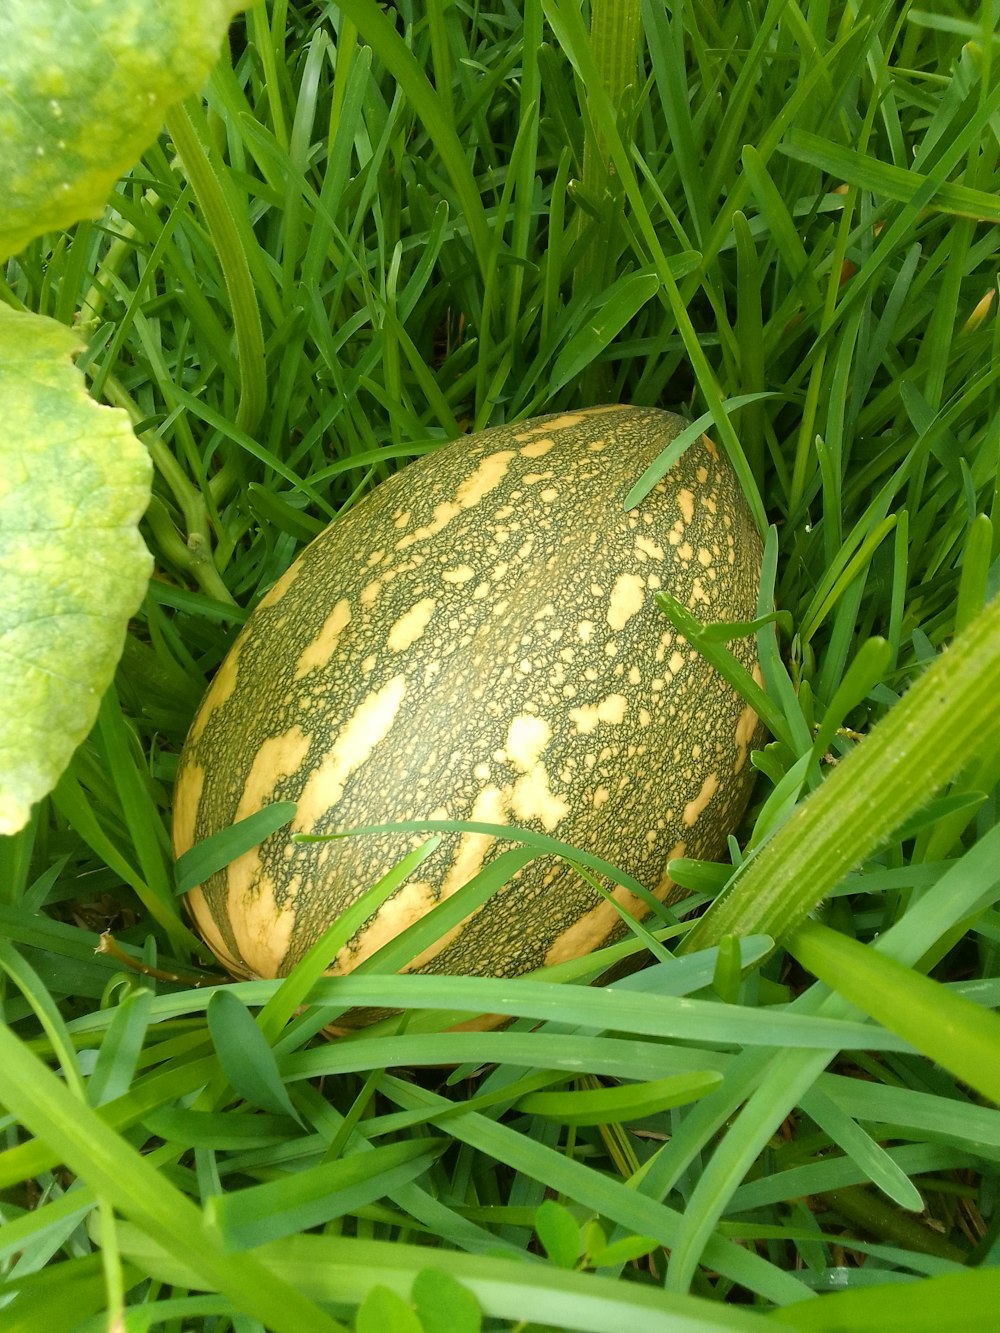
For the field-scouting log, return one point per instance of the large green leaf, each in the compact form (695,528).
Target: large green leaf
(84,87)
(74,482)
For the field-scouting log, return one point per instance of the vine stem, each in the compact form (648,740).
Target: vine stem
(941,724)
(109,946)
(194,554)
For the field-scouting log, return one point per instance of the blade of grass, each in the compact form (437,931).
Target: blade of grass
(607,1106)
(293,990)
(952,1300)
(949,1029)
(774,1090)
(214,853)
(342,1269)
(593,1189)
(108,1163)
(876,1163)
(251,1217)
(205,176)
(377,30)
(245,1056)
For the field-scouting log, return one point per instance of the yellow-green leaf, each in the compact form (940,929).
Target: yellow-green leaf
(74,482)
(84,87)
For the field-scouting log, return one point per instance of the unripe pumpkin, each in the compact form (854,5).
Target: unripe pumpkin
(477,639)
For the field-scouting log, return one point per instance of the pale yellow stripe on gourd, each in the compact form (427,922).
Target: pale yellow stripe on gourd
(221,689)
(410,626)
(187,802)
(473,488)
(415,898)
(321,649)
(365,729)
(698,804)
(532,796)
(628,595)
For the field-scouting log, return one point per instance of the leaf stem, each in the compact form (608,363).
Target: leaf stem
(193,555)
(108,945)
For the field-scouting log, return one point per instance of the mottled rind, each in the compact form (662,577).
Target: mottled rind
(478,639)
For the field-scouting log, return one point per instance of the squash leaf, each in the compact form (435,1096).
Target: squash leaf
(74,482)
(84,87)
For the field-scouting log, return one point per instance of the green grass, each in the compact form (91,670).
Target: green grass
(389,226)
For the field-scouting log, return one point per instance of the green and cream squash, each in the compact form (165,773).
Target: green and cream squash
(478,639)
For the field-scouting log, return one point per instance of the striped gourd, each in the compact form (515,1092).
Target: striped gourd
(478,639)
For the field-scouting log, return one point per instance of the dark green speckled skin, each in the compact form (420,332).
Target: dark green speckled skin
(478,639)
